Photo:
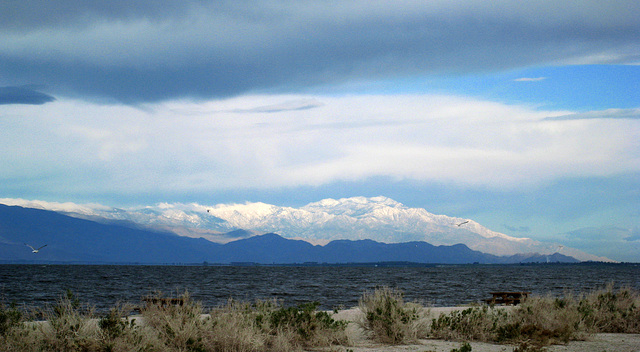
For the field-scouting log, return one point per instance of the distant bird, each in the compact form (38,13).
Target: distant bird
(207,210)
(462,223)
(35,250)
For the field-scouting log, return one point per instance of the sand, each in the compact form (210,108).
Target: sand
(594,343)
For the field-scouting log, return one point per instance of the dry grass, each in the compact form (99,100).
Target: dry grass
(270,326)
(235,327)
(471,324)
(391,320)
(545,320)
(611,311)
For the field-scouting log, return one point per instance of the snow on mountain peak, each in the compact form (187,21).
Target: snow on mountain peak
(355,201)
(257,209)
(355,206)
(249,215)
(377,218)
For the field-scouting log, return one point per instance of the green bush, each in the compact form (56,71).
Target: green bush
(474,323)
(9,318)
(465,347)
(305,321)
(113,325)
(539,319)
(390,319)
(269,326)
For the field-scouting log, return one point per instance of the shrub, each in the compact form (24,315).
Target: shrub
(68,327)
(474,323)
(545,320)
(527,346)
(238,326)
(389,318)
(465,347)
(9,318)
(311,327)
(113,325)
(180,326)
(234,328)
(270,326)
(611,311)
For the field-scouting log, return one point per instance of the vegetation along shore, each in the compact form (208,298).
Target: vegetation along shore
(383,321)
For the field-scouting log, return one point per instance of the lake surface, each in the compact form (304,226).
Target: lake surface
(103,286)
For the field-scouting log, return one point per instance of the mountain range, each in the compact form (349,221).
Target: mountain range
(73,240)
(379,219)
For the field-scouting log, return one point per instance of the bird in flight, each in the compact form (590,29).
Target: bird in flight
(35,250)
(462,223)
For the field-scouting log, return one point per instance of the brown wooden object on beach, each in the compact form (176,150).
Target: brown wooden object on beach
(507,298)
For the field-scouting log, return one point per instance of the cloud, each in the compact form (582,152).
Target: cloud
(88,209)
(634,235)
(23,95)
(528,79)
(599,233)
(517,228)
(609,241)
(182,147)
(600,114)
(291,105)
(165,50)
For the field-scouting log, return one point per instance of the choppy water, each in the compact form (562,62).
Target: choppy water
(104,286)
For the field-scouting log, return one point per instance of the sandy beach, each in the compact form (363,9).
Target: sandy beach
(593,343)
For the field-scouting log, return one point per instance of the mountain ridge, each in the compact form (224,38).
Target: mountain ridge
(73,240)
(379,218)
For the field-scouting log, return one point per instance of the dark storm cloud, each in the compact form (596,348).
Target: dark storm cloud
(155,50)
(23,95)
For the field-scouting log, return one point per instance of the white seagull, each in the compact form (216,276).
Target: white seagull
(35,250)
(462,223)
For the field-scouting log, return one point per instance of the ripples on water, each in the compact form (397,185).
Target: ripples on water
(103,286)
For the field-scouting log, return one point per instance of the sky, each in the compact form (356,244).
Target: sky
(524,116)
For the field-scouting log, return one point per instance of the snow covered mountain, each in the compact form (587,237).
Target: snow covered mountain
(378,218)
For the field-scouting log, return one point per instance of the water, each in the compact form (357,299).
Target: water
(104,286)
